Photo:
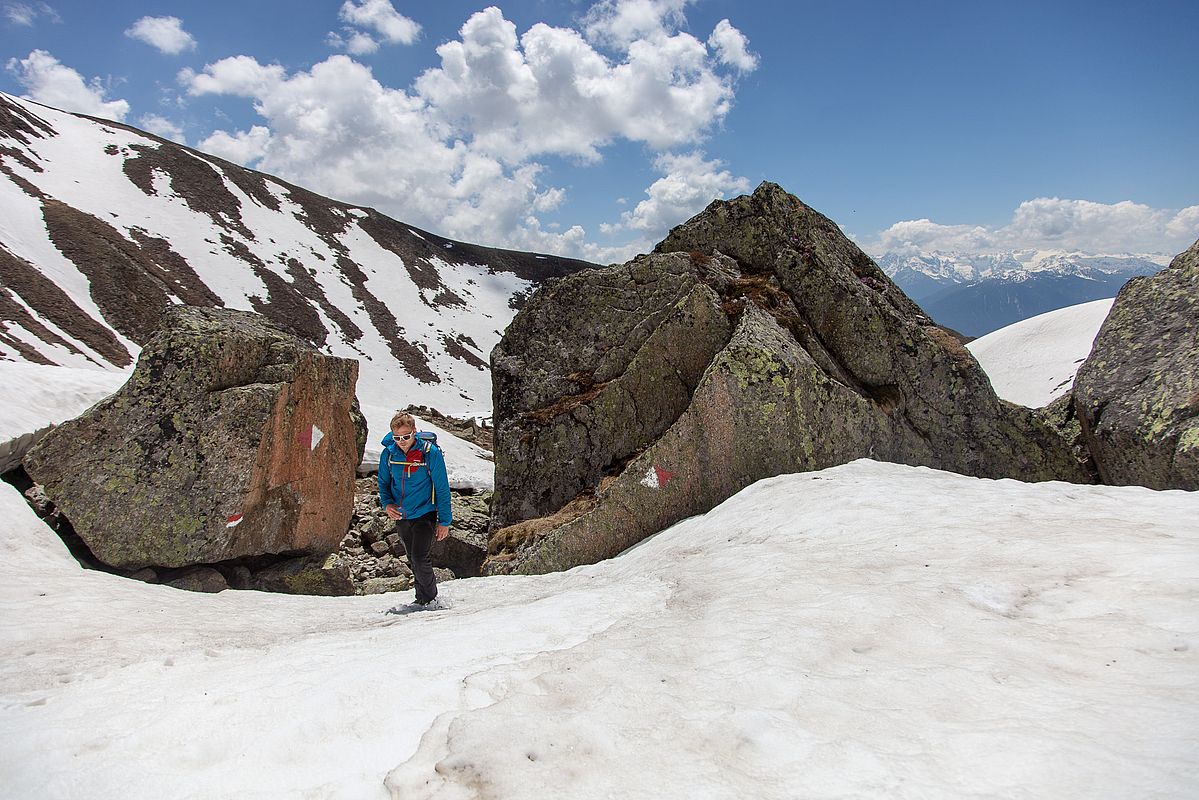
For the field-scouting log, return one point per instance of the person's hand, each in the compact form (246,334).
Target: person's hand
(394,512)
(442,532)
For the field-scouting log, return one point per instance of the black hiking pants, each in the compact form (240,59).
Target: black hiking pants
(417,536)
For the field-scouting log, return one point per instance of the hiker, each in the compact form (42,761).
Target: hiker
(415,492)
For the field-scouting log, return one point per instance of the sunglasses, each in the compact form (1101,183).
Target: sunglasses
(403,438)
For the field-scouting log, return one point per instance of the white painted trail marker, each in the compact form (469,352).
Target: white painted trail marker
(656,478)
(310,438)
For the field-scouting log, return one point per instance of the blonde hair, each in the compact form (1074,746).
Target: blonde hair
(403,419)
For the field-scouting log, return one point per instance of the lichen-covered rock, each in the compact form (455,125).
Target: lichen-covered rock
(756,340)
(385,585)
(1062,416)
(327,576)
(232,438)
(1137,394)
(592,370)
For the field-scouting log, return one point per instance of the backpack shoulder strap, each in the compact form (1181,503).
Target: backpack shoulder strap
(428,441)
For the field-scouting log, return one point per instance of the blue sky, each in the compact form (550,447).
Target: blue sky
(590,128)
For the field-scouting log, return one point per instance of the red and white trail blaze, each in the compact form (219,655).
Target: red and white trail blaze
(311,437)
(656,477)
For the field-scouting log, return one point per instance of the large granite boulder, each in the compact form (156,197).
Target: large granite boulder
(756,340)
(232,438)
(1137,394)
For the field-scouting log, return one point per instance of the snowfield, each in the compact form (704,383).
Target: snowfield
(1033,362)
(871,630)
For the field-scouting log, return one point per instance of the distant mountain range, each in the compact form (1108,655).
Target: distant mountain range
(976,294)
(102,226)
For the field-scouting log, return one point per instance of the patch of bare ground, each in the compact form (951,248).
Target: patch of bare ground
(22,157)
(413,252)
(950,343)
(328,219)
(283,305)
(22,184)
(414,360)
(53,304)
(302,281)
(457,348)
(173,270)
(19,123)
(192,179)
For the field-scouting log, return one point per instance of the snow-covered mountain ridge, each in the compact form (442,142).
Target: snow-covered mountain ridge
(102,226)
(977,293)
(1015,265)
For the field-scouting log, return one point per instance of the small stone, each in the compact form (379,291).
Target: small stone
(384,585)
(200,579)
(37,499)
(380,548)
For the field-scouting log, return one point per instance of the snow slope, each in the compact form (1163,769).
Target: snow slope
(421,313)
(1033,362)
(872,630)
(35,396)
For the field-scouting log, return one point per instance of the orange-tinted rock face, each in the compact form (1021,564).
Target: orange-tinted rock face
(231,439)
(300,494)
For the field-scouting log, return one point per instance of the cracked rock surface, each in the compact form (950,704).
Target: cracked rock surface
(756,340)
(231,439)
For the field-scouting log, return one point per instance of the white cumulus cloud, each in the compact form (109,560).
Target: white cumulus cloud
(49,81)
(164,33)
(732,47)
(461,151)
(688,183)
(161,126)
(243,147)
(550,91)
(381,17)
(238,75)
(620,23)
(1057,224)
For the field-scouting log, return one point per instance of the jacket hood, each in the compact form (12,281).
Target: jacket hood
(388,440)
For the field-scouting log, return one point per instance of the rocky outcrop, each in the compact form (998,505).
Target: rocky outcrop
(232,439)
(1137,394)
(755,340)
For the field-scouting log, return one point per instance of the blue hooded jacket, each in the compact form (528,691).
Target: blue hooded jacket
(416,481)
